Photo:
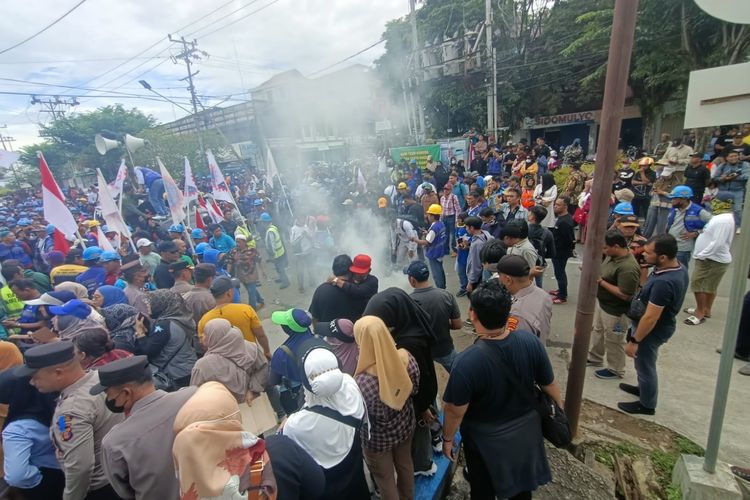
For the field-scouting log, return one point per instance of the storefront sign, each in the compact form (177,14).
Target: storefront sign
(419,153)
(560,120)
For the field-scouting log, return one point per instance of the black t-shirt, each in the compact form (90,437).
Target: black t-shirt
(441,307)
(298,476)
(666,288)
(565,236)
(162,276)
(697,179)
(743,149)
(477,380)
(330,302)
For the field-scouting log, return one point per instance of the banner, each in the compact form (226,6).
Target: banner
(110,211)
(115,187)
(219,186)
(191,190)
(419,153)
(174,195)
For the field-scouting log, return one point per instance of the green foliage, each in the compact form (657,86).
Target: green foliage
(172,149)
(673,492)
(688,447)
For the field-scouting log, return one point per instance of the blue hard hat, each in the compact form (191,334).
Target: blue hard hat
(39,209)
(265,217)
(109,256)
(176,228)
(24,222)
(92,253)
(198,234)
(624,208)
(105,229)
(258,202)
(201,247)
(251,193)
(50,229)
(11,220)
(706,157)
(681,192)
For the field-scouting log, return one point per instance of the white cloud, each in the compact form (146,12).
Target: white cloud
(304,34)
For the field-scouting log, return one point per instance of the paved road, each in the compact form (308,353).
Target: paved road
(687,366)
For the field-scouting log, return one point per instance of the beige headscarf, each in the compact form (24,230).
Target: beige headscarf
(211,449)
(78,289)
(378,356)
(231,360)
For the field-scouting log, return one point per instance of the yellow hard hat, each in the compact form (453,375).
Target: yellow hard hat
(646,160)
(402,185)
(435,209)
(92,223)
(382,202)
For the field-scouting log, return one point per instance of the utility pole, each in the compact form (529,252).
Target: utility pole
(7,142)
(620,49)
(189,54)
(492,82)
(56,106)
(417,65)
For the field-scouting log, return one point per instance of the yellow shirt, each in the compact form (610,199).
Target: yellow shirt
(241,316)
(66,272)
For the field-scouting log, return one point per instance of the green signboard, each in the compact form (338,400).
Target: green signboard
(419,153)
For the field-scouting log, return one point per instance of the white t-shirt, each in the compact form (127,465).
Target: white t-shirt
(716,239)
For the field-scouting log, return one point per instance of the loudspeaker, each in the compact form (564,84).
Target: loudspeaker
(103,144)
(133,143)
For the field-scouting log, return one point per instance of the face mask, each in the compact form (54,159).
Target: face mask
(111,406)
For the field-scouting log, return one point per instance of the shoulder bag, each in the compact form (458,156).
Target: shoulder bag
(161,379)
(555,426)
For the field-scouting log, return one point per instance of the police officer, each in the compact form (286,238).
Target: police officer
(80,421)
(137,453)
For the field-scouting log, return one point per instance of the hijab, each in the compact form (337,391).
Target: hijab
(120,321)
(78,289)
(112,295)
(169,305)
(70,326)
(378,356)
(327,440)
(211,449)
(548,180)
(24,400)
(230,359)
(341,340)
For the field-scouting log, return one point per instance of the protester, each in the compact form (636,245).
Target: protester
(542,240)
(120,321)
(284,371)
(74,318)
(95,274)
(275,248)
(339,334)
(361,285)
(30,464)
(149,259)
(245,267)
(501,431)
(565,241)
(685,222)
(479,237)
(231,360)
(108,295)
(135,275)
(169,253)
(732,178)
(658,212)
(65,268)
(451,207)
(660,301)
(97,349)
(516,238)
(199,299)
(434,241)
(329,301)
(388,378)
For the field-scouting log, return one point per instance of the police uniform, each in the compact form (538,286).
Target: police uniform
(137,453)
(79,424)
(532,307)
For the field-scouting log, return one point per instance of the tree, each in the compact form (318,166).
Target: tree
(172,149)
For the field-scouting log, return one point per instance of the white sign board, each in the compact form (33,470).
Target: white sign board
(718,96)
(383,126)
(731,11)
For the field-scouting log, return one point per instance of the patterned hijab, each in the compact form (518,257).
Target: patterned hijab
(120,321)
(169,305)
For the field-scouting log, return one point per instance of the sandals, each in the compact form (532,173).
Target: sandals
(691,311)
(741,472)
(693,321)
(558,300)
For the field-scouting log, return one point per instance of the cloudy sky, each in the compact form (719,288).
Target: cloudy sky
(100,48)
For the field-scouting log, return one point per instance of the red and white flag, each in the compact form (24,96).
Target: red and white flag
(212,208)
(191,189)
(199,220)
(115,187)
(174,195)
(219,186)
(55,210)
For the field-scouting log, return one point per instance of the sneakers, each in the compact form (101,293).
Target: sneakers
(745,370)
(553,292)
(606,374)
(631,389)
(436,433)
(636,408)
(461,293)
(427,473)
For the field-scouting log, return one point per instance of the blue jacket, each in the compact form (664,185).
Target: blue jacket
(436,249)
(693,220)
(149,176)
(92,278)
(14,251)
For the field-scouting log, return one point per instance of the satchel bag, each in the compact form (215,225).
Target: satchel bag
(555,426)
(161,379)
(636,308)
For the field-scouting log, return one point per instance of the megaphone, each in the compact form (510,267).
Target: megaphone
(103,144)
(133,143)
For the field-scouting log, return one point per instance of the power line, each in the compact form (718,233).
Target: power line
(45,28)
(43,84)
(221,18)
(73,60)
(204,35)
(147,98)
(347,58)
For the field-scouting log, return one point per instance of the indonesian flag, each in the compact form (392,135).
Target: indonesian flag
(191,190)
(55,210)
(101,238)
(361,182)
(199,220)
(174,195)
(212,208)
(115,187)
(218,183)
(110,211)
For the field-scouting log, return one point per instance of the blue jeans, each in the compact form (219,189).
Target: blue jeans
(447,360)
(561,276)
(253,294)
(683,257)
(462,278)
(450,231)
(280,265)
(156,197)
(438,273)
(645,367)
(739,199)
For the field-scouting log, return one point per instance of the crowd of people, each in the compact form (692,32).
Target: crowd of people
(127,363)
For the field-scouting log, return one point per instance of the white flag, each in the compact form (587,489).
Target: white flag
(219,186)
(115,188)
(174,195)
(104,243)
(191,190)
(271,170)
(110,212)
(361,182)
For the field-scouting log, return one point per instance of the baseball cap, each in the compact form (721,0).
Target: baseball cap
(42,356)
(120,372)
(629,220)
(75,307)
(361,264)
(223,284)
(341,329)
(176,267)
(417,270)
(513,265)
(296,320)
(144,242)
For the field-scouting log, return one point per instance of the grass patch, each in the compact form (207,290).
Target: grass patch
(673,492)
(688,447)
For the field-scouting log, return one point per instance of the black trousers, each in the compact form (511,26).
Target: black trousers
(51,487)
(104,493)
(743,337)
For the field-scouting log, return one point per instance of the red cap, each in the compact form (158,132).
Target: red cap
(361,264)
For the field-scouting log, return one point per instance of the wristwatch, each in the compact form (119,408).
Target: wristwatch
(632,340)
